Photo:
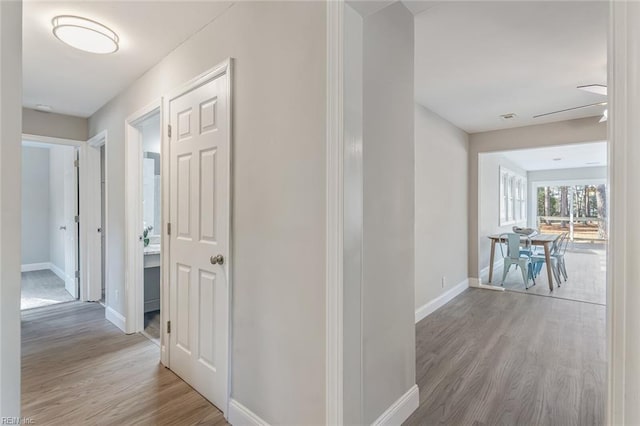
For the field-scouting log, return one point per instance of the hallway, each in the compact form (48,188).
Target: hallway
(77,368)
(489,358)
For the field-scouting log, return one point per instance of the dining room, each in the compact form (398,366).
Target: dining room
(543,221)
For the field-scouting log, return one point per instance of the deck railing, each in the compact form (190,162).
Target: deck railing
(579,228)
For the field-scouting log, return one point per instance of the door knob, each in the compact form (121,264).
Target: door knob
(63,228)
(217,260)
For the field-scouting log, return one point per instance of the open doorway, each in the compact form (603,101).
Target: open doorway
(559,194)
(145,220)
(50,228)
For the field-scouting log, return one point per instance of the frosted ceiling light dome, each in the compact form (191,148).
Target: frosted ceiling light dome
(85,34)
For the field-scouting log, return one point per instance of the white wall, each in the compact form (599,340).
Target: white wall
(59,156)
(35,205)
(441,217)
(559,133)
(489,201)
(352,239)
(388,292)
(151,134)
(10,202)
(279,101)
(54,125)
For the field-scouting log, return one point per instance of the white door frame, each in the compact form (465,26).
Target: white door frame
(84,205)
(93,218)
(134,255)
(334,292)
(226,67)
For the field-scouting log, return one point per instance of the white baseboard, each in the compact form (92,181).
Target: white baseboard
(44,266)
(116,318)
(429,307)
(401,409)
(35,267)
(476,283)
(151,305)
(59,272)
(239,415)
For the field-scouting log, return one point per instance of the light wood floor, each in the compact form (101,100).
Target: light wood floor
(79,369)
(486,358)
(492,358)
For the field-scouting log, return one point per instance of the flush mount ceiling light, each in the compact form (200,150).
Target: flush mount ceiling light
(85,34)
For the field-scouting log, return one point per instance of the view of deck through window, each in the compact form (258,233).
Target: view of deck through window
(578,209)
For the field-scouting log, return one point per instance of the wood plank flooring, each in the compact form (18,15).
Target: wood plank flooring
(486,358)
(77,368)
(491,358)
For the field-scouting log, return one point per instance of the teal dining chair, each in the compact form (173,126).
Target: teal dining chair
(539,259)
(559,256)
(510,250)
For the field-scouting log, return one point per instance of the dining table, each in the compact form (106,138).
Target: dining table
(539,240)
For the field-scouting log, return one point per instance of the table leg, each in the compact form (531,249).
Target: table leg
(493,252)
(547,257)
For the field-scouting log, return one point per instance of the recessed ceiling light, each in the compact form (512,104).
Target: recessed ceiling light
(85,34)
(44,108)
(557,159)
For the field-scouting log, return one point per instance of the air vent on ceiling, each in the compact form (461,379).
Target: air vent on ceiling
(509,116)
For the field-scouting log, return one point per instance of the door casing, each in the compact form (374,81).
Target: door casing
(134,257)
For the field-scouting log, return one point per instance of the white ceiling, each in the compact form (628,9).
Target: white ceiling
(478,60)
(77,83)
(560,157)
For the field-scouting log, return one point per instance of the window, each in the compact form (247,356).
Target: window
(513,199)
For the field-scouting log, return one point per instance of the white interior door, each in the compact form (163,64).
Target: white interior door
(199,241)
(71,231)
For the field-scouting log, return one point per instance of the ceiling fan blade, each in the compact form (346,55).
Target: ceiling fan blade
(605,116)
(599,89)
(570,109)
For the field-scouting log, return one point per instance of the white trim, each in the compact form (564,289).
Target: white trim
(475,283)
(224,67)
(623,274)
(59,272)
(400,410)
(115,317)
(335,221)
(134,258)
(165,240)
(48,140)
(92,218)
(430,307)
(239,415)
(98,140)
(29,267)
